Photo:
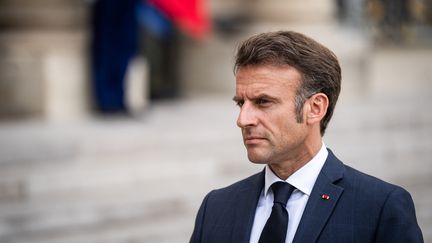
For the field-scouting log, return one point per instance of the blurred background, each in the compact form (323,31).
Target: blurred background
(116,116)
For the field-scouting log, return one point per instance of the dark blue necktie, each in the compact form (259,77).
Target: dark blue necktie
(276,226)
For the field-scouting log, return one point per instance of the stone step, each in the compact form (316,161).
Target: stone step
(71,210)
(154,231)
(90,174)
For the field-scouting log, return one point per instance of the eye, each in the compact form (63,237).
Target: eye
(239,103)
(262,101)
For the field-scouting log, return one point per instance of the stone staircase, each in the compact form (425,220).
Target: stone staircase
(116,180)
(142,179)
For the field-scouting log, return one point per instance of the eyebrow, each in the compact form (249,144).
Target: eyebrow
(260,96)
(264,96)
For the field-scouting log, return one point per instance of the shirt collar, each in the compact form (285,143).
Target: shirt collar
(304,178)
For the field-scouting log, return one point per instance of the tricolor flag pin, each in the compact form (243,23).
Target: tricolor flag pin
(325,197)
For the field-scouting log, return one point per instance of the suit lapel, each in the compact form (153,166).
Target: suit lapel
(247,200)
(318,210)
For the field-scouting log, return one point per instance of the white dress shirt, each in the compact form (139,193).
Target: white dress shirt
(303,180)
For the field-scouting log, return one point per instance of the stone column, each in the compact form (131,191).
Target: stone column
(43,59)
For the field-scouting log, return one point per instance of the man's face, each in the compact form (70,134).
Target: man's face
(267,118)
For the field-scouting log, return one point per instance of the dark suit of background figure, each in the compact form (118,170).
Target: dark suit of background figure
(114,42)
(361,209)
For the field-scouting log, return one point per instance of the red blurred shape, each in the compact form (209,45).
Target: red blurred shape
(190,15)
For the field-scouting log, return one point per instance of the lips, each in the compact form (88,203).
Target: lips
(251,140)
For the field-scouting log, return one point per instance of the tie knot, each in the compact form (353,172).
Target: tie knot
(281,191)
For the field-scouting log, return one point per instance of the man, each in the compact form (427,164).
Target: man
(287,86)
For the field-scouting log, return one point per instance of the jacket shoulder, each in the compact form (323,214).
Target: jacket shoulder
(339,173)
(367,183)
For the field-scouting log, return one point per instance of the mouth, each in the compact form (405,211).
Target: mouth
(251,140)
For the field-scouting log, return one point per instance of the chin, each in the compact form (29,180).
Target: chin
(256,159)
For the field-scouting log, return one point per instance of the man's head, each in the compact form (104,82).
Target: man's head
(286,86)
(318,66)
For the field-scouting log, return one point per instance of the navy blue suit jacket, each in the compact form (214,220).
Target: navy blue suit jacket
(361,209)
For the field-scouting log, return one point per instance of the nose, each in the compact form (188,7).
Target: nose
(247,116)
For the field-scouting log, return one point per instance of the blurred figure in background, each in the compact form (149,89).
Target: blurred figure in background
(395,20)
(351,12)
(163,22)
(116,26)
(115,35)
(160,48)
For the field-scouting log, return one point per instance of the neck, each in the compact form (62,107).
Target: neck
(286,168)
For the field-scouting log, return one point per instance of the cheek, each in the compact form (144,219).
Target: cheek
(287,128)
(278,127)
(279,122)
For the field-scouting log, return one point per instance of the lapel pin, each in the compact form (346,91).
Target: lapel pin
(325,197)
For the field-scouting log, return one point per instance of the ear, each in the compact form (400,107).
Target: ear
(317,108)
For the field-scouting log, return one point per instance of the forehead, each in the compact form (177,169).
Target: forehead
(252,80)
